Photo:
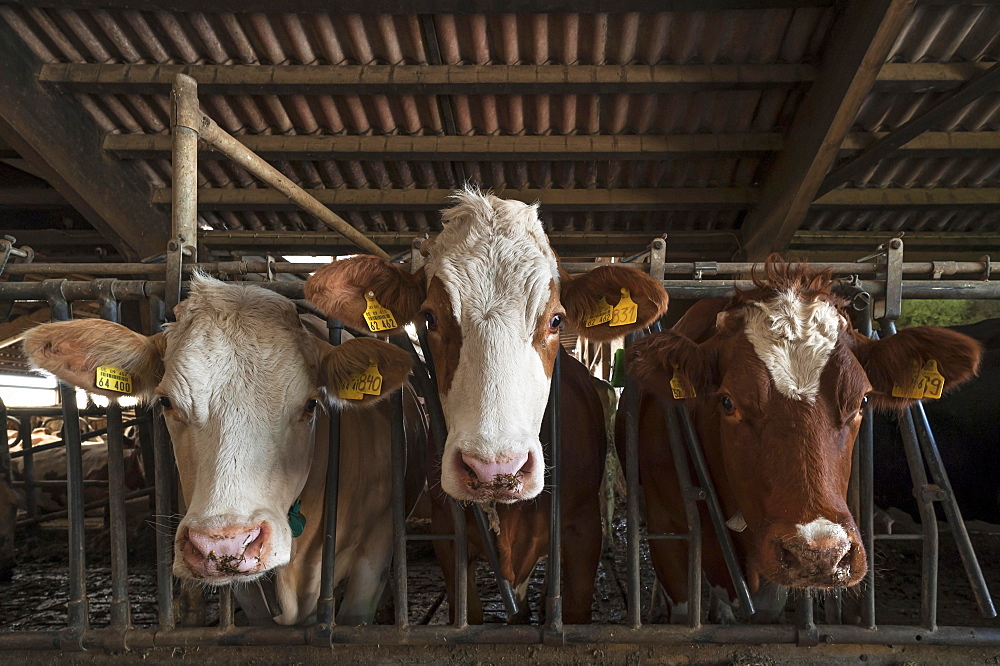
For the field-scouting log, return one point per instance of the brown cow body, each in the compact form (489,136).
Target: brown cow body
(781,382)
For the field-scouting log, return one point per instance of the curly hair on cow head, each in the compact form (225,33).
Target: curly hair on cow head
(776,276)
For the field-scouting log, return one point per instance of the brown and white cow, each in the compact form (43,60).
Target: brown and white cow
(240,381)
(781,381)
(493,300)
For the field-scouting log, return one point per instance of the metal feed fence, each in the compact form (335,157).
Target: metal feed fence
(886,278)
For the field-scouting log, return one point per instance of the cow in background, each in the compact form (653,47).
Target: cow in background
(241,382)
(493,299)
(966,426)
(776,381)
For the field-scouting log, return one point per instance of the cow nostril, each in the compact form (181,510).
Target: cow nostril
(787,558)
(845,562)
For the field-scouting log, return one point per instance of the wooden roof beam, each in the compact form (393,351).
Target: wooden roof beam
(922,198)
(712,198)
(853,55)
(50,130)
(986,82)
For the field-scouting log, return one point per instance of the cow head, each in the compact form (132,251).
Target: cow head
(240,382)
(493,298)
(781,386)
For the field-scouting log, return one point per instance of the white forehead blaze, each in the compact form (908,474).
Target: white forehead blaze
(794,339)
(495,263)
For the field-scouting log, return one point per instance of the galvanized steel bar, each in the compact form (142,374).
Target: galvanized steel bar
(398,467)
(690,494)
(120,613)
(932,457)
(715,510)
(77,606)
(325,609)
(631,414)
(227,608)
(866,485)
(184,174)
(553,571)
(27,450)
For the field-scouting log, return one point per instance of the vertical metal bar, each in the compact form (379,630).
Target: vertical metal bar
(866,489)
(78,610)
(325,610)
(690,495)
(226,608)
(24,431)
(184,204)
(163,473)
(715,511)
(805,623)
(398,459)
(120,613)
(553,572)
(632,499)
(461,540)
(932,456)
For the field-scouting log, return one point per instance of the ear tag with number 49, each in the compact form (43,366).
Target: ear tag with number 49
(926,382)
(361,384)
(114,379)
(626,312)
(378,318)
(601,314)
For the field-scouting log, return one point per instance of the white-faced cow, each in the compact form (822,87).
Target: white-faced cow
(780,382)
(240,380)
(493,299)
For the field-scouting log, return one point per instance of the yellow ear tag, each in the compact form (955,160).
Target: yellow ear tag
(925,382)
(114,379)
(601,315)
(361,384)
(378,317)
(678,389)
(625,312)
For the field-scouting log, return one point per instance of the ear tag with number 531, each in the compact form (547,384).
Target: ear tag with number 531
(626,312)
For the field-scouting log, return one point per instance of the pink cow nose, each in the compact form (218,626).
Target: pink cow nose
(497,476)
(225,552)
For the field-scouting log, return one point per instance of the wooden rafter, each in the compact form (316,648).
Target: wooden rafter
(853,56)
(986,82)
(52,132)
(552,200)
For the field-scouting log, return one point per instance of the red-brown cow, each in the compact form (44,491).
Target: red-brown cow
(780,381)
(493,299)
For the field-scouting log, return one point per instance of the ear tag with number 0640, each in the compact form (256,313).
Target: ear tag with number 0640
(361,384)
(601,314)
(378,318)
(626,312)
(114,379)
(926,382)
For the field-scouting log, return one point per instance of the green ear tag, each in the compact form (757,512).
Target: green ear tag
(296,520)
(618,369)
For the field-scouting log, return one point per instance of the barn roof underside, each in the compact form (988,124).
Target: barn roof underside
(734,131)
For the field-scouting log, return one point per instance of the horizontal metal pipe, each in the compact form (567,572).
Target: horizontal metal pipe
(147,638)
(86,507)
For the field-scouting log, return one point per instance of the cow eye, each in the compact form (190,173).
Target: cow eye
(555,322)
(727,403)
(311,405)
(164,402)
(864,402)
(432,320)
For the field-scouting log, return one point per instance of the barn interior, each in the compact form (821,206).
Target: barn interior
(819,129)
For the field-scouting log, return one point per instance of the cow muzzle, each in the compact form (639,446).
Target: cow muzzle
(228,552)
(506,476)
(820,554)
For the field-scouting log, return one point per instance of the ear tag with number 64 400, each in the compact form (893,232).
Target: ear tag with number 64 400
(114,379)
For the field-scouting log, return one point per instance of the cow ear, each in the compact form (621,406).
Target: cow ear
(74,350)
(581,296)
(656,359)
(346,371)
(891,361)
(340,291)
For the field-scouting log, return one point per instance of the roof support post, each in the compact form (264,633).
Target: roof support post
(854,53)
